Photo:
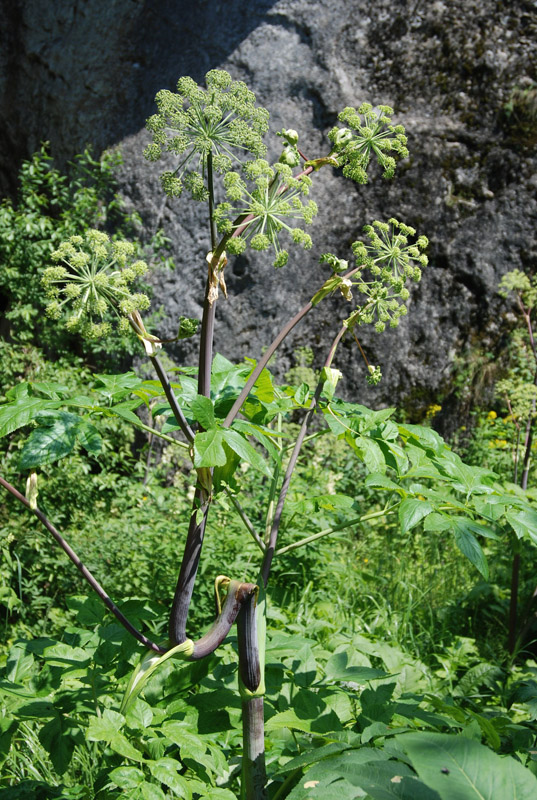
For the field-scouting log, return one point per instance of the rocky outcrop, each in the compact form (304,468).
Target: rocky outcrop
(461,76)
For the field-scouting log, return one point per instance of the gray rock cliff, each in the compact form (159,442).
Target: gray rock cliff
(88,70)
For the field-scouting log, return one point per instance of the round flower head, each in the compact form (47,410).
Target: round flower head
(262,213)
(93,276)
(387,261)
(518,282)
(195,123)
(369,132)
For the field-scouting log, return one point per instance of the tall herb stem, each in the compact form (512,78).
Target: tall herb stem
(250,670)
(273,536)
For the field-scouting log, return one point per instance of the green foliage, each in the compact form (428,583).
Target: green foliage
(353,713)
(50,208)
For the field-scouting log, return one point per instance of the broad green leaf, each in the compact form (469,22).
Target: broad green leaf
(203,411)
(120,744)
(208,449)
(463,769)
(488,730)
(244,449)
(329,787)
(8,687)
(476,676)
(302,394)
(337,670)
(313,756)
(207,792)
(426,437)
(54,391)
(338,428)
(15,415)
(190,745)
(223,476)
(380,481)
(125,411)
(524,524)
(412,511)
(126,777)
(165,770)
(105,727)
(263,435)
(58,741)
(343,774)
(139,715)
(19,664)
(63,655)
(90,610)
(395,455)
(149,791)
(465,478)
(17,392)
(303,666)
(470,547)
(89,437)
(263,388)
(370,453)
(437,522)
(37,709)
(117,386)
(463,532)
(312,722)
(55,438)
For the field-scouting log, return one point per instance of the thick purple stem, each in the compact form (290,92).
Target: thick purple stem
(254,775)
(238,596)
(189,569)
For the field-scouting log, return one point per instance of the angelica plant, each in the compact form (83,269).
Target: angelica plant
(214,137)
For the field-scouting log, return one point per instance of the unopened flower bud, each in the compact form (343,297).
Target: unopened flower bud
(290,135)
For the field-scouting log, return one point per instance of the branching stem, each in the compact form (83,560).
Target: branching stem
(273,536)
(84,571)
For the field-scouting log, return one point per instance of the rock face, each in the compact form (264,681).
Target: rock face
(88,71)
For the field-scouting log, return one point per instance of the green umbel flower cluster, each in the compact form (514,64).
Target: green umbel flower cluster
(369,133)
(93,276)
(391,261)
(520,283)
(193,123)
(259,216)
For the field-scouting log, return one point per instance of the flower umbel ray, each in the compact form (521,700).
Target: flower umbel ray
(259,215)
